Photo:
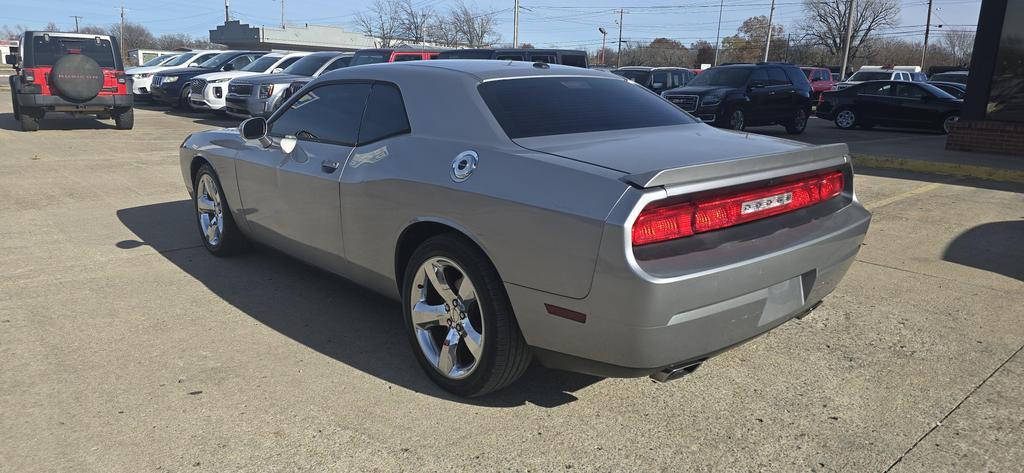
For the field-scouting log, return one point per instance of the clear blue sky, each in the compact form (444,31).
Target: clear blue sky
(563,23)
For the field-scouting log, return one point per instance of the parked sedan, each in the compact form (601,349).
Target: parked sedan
(567,215)
(890,103)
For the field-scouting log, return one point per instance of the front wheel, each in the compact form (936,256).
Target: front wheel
(737,119)
(459,319)
(217,227)
(846,119)
(184,100)
(798,123)
(125,120)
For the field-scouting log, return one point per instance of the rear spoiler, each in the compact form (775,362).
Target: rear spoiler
(753,168)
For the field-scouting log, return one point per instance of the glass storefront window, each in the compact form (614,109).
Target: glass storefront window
(1006,99)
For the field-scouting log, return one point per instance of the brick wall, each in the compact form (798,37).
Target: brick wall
(987,137)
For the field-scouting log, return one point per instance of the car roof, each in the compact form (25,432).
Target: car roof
(646,68)
(65,35)
(487,69)
(404,50)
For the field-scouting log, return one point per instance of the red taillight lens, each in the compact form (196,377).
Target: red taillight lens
(662,223)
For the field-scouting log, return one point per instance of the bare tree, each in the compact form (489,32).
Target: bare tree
(747,45)
(93,29)
(476,28)
(825,24)
(960,44)
(51,26)
(441,31)
(382,22)
(413,21)
(136,36)
(12,32)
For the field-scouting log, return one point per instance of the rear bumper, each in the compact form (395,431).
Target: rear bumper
(641,317)
(54,103)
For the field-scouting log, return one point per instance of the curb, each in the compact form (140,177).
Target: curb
(947,169)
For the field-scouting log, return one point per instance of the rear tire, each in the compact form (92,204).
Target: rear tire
(217,227)
(28,120)
(125,120)
(499,355)
(14,101)
(184,102)
(846,119)
(798,123)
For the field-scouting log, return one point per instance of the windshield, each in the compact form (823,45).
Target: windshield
(870,75)
(560,105)
(261,64)
(308,65)
(157,60)
(216,61)
(942,94)
(46,50)
(640,77)
(724,76)
(369,57)
(180,59)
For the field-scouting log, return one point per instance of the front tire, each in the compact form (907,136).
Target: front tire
(184,101)
(125,120)
(217,227)
(846,119)
(459,319)
(736,119)
(949,121)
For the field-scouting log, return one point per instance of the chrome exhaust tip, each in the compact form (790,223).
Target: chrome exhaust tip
(675,372)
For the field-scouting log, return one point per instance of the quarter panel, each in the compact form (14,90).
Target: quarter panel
(538,217)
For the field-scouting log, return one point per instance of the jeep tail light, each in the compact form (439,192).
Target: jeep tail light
(658,223)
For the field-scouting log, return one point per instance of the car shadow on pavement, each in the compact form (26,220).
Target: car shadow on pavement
(59,121)
(198,117)
(322,311)
(996,247)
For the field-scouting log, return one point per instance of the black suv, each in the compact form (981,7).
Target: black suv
(658,79)
(740,95)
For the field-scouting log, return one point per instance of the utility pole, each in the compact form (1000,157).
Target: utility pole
(849,37)
(124,57)
(927,30)
(768,40)
(618,54)
(227,11)
(76,17)
(515,26)
(718,38)
(282,15)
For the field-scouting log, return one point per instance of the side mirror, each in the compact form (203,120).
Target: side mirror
(254,129)
(277,70)
(11,59)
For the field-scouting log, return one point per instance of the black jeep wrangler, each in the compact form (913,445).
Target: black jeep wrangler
(81,74)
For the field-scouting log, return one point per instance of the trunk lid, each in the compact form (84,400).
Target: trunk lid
(658,156)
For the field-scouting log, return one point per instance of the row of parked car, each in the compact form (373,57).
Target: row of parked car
(737,96)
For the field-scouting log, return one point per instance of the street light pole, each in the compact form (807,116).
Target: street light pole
(849,37)
(604,36)
(618,54)
(515,26)
(768,40)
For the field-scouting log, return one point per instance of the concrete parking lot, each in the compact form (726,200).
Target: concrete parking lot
(124,346)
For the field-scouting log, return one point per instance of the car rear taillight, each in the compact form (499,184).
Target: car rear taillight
(821,98)
(658,223)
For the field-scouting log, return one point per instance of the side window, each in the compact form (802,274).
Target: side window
(678,79)
(513,57)
(759,78)
(777,77)
(385,114)
(203,57)
(326,114)
(659,80)
(875,89)
(407,57)
(338,63)
(240,62)
(545,58)
(909,91)
(577,60)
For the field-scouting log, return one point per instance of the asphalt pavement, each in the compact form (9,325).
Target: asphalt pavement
(126,347)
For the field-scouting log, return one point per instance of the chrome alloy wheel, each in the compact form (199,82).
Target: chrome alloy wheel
(447,318)
(947,124)
(737,121)
(210,209)
(846,119)
(800,120)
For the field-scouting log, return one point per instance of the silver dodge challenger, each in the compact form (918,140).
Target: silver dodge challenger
(525,211)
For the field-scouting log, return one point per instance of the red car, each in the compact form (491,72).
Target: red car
(373,56)
(820,79)
(81,74)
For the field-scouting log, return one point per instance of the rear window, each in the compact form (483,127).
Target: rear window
(866,76)
(561,105)
(946,77)
(308,65)
(640,77)
(369,57)
(46,53)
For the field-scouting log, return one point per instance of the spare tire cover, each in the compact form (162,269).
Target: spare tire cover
(77,77)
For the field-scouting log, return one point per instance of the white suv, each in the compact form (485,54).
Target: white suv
(865,75)
(209,90)
(142,77)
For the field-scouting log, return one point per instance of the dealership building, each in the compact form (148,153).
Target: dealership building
(237,35)
(993,115)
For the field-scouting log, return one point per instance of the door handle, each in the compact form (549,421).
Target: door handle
(329,166)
